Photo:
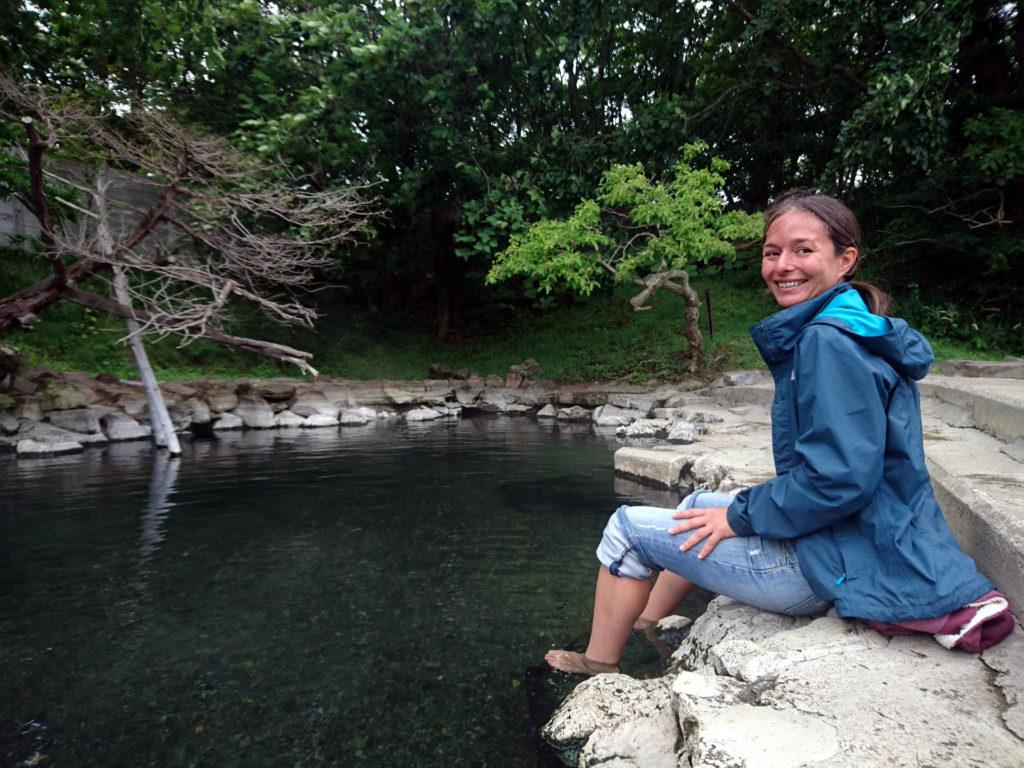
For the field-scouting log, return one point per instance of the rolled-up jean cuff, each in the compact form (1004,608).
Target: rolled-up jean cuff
(617,553)
(702,497)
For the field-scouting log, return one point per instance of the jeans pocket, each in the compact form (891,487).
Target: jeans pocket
(808,607)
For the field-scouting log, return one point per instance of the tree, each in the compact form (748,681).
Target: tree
(640,230)
(478,116)
(219,226)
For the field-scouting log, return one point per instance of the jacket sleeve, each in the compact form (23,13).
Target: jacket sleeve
(840,404)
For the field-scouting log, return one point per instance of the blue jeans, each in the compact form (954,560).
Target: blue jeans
(760,572)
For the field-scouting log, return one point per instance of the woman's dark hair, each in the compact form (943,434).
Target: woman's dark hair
(842,227)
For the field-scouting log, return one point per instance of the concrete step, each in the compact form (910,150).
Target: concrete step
(995,405)
(1011,368)
(981,491)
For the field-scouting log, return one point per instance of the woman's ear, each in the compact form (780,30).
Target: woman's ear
(848,262)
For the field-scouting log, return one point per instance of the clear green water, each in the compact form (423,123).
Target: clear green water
(379,596)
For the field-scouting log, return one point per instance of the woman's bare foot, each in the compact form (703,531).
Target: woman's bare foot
(570,661)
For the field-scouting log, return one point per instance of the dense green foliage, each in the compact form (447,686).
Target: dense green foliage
(474,120)
(600,338)
(634,227)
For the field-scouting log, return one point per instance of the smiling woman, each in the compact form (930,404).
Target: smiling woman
(812,242)
(799,260)
(850,521)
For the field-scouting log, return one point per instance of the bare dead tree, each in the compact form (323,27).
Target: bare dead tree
(218,224)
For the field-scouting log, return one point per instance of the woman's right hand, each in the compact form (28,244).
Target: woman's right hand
(708,523)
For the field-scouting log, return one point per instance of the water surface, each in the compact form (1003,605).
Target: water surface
(376,596)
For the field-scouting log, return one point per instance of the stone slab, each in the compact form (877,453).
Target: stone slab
(980,490)
(1005,369)
(997,405)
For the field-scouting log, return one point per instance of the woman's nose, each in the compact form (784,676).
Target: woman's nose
(785,261)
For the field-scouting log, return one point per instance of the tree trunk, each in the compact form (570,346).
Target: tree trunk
(159,419)
(691,314)
(691,325)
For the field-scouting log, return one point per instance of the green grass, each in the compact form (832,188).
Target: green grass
(599,338)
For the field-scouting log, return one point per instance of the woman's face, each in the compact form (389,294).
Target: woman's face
(799,261)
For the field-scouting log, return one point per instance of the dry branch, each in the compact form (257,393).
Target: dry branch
(217,224)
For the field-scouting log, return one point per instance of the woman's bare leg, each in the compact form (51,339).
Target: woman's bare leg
(618,601)
(668,591)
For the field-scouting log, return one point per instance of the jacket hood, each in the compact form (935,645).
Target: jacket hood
(906,350)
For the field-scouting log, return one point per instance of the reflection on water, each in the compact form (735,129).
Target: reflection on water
(378,596)
(161,483)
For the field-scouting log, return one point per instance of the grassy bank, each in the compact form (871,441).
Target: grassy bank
(601,338)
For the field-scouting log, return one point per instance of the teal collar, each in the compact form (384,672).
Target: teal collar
(849,308)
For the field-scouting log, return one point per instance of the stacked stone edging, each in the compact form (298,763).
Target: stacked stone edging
(44,412)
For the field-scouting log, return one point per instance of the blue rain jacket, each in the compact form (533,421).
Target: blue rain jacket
(852,489)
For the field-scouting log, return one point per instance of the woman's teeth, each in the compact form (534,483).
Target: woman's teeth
(789,284)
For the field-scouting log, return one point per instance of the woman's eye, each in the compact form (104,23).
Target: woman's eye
(770,255)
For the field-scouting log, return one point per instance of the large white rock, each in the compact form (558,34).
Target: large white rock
(228,421)
(42,432)
(466,396)
(121,428)
(400,396)
(29,447)
(642,402)
(422,414)
(134,405)
(189,412)
(683,433)
(574,413)
(644,428)
(547,412)
(496,400)
(320,420)
(63,396)
(8,423)
(28,408)
(255,413)
(721,731)
(313,403)
(221,400)
(611,717)
(762,690)
(614,416)
(83,420)
(351,417)
(288,419)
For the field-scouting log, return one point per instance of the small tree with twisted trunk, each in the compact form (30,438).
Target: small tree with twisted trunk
(650,233)
(217,225)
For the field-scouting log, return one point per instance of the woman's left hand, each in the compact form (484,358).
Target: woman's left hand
(709,523)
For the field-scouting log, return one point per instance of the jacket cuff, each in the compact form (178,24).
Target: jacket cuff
(737,516)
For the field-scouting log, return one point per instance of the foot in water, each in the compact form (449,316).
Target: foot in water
(570,661)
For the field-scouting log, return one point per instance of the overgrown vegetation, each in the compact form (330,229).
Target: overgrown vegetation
(474,120)
(578,340)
